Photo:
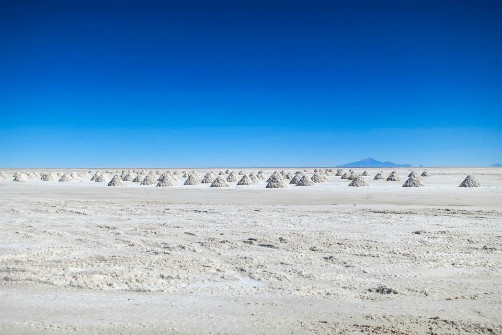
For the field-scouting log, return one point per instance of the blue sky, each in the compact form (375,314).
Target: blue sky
(249,83)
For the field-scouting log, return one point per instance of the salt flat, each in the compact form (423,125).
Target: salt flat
(86,258)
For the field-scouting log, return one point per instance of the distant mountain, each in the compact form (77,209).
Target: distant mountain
(496,165)
(372,163)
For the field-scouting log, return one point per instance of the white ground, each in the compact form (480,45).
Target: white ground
(82,257)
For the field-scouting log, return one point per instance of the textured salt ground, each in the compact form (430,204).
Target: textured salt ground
(234,261)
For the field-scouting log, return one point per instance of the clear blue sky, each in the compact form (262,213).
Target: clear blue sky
(249,83)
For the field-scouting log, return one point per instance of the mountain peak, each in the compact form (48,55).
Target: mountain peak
(373,163)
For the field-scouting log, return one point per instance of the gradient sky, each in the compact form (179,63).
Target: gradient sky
(249,83)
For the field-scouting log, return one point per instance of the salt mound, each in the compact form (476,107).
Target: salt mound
(260,175)
(192,179)
(296,179)
(74,176)
(165,182)
(3,175)
(219,182)
(232,177)
(413,182)
(245,180)
(116,181)
(317,178)
(65,178)
(345,175)
(352,176)
(275,181)
(425,174)
(365,173)
(208,179)
(150,179)
(221,173)
(48,177)
(21,177)
(138,179)
(378,176)
(288,176)
(393,177)
(339,173)
(128,177)
(413,174)
(241,173)
(95,176)
(253,178)
(470,181)
(305,181)
(358,181)
(101,179)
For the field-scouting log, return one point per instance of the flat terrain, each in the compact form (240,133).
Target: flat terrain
(81,257)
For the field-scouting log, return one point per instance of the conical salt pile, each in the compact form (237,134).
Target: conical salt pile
(138,179)
(288,176)
(116,181)
(245,180)
(47,177)
(128,177)
(21,177)
(96,175)
(149,180)
(241,173)
(317,178)
(393,177)
(365,173)
(275,181)
(3,175)
(253,178)
(232,177)
(305,181)
(260,175)
(358,181)
(296,179)
(192,180)
(413,182)
(425,174)
(208,179)
(101,179)
(345,175)
(470,181)
(378,176)
(339,173)
(219,182)
(352,176)
(222,173)
(165,182)
(413,174)
(65,178)
(227,171)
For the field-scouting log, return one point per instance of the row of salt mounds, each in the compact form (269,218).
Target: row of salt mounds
(413,182)
(219,182)
(358,181)
(470,181)
(393,176)
(305,181)
(245,180)
(275,181)
(379,176)
(116,181)
(193,179)
(69,177)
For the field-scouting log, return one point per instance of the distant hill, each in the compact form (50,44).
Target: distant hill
(372,163)
(496,165)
